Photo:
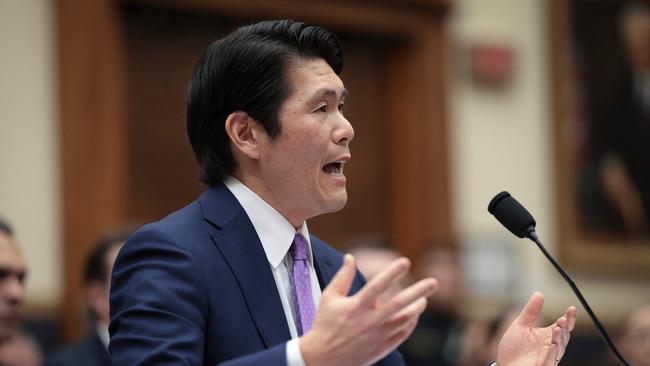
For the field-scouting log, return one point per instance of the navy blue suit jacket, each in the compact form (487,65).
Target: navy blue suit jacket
(196,289)
(88,352)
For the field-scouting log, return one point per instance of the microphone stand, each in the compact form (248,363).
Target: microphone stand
(533,236)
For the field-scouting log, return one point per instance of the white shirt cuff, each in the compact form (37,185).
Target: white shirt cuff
(294,356)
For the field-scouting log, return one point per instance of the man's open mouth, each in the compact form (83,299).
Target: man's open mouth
(334,168)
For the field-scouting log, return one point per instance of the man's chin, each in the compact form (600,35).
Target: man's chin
(5,334)
(330,204)
(337,204)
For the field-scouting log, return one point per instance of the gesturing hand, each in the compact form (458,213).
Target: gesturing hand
(524,345)
(359,329)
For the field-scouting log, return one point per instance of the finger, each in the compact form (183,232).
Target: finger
(562,346)
(393,341)
(342,280)
(382,281)
(531,310)
(405,326)
(559,342)
(423,288)
(552,357)
(556,335)
(404,318)
(571,314)
(399,337)
(562,322)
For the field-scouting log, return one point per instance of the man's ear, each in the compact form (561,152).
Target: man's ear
(243,132)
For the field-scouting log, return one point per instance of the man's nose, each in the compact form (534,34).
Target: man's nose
(344,132)
(14,291)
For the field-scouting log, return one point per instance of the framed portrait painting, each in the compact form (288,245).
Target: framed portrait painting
(601,96)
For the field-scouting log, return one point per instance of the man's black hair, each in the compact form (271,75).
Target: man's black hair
(246,71)
(5,227)
(96,269)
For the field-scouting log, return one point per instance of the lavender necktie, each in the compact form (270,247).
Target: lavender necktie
(303,298)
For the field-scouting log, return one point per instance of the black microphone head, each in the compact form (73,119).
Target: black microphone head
(512,214)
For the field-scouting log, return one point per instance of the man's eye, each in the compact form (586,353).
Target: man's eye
(322,108)
(341,107)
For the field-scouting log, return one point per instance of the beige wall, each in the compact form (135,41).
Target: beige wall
(501,140)
(29,165)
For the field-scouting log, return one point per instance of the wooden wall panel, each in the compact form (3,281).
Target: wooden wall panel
(92,136)
(162,49)
(420,204)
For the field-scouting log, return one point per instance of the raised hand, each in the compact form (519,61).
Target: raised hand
(524,345)
(359,329)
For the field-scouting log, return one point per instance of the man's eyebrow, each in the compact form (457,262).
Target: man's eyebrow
(8,270)
(327,92)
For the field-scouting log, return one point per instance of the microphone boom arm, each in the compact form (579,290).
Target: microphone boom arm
(532,235)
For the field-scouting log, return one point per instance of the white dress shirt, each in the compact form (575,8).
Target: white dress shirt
(276,235)
(102,333)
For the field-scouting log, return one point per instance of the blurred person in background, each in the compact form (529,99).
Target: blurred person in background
(441,336)
(371,260)
(635,336)
(20,350)
(16,348)
(486,348)
(13,270)
(93,349)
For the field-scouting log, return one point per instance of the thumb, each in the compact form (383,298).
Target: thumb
(342,280)
(531,310)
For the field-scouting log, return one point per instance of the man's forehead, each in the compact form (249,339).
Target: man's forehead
(10,255)
(315,77)
(6,241)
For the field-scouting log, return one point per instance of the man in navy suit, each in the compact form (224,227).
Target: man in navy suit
(234,278)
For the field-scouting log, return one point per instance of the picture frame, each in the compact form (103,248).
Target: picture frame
(601,146)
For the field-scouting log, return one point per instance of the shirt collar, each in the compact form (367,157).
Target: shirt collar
(102,333)
(274,231)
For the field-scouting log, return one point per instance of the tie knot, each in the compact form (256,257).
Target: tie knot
(299,248)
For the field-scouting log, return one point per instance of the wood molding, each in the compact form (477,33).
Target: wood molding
(385,18)
(91,132)
(420,206)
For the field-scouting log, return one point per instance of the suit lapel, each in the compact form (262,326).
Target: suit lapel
(241,248)
(327,264)
(325,269)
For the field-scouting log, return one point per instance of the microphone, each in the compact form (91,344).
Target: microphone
(520,222)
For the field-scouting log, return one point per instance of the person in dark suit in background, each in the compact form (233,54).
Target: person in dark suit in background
(93,349)
(16,347)
(439,338)
(13,271)
(235,278)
